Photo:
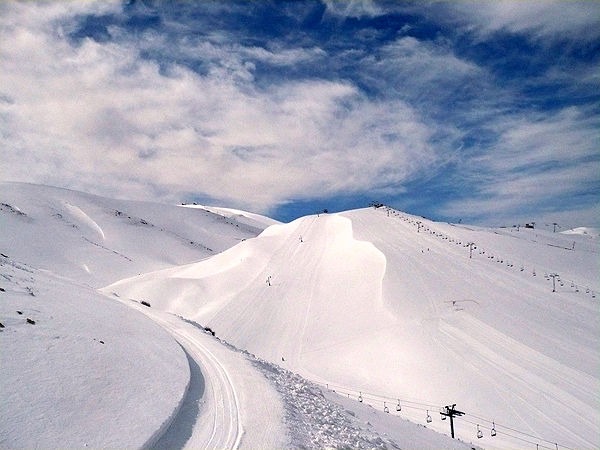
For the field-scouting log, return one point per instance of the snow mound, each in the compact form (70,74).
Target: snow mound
(593,232)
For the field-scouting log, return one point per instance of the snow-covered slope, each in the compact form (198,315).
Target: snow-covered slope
(394,306)
(251,219)
(78,369)
(99,240)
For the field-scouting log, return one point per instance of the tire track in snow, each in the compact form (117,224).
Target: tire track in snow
(227,428)
(218,425)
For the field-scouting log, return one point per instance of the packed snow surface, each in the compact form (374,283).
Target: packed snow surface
(400,309)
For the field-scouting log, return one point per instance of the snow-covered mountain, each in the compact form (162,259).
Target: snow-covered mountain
(399,311)
(404,309)
(99,240)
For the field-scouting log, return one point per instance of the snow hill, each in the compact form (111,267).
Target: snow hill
(99,240)
(370,304)
(80,369)
(399,310)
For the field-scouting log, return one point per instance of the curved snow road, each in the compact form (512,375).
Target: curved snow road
(229,405)
(224,427)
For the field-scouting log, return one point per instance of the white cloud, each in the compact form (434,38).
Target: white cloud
(353,8)
(527,144)
(543,164)
(97,117)
(580,19)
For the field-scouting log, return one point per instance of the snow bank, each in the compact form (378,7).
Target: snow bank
(78,369)
(592,232)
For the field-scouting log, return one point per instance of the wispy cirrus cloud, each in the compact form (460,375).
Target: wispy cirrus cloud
(540,19)
(548,165)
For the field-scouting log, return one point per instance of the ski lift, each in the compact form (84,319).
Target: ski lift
(385,408)
(534,272)
(398,407)
(522,268)
(493,431)
(572,284)
(429,419)
(593,294)
(360,399)
(587,290)
(576,288)
(479,432)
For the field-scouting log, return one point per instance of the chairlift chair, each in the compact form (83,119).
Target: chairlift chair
(385,408)
(398,407)
(479,432)
(360,399)
(493,430)
(429,419)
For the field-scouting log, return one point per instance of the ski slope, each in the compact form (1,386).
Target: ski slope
(392,306)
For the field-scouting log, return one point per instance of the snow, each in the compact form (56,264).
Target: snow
(244,217)
(478,332)
(98,240)
(88,372)
(309,317)
(595,232)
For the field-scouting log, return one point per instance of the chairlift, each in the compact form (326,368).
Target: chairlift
(493,431)
(429,419)
(360,399)
(479,432)
(385,408)
(587,290)
(398,407)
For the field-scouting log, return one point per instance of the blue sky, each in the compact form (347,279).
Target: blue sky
(484,112)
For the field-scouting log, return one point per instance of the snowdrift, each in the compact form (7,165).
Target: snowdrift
(407,310)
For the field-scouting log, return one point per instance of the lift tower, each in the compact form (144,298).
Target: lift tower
(451,411)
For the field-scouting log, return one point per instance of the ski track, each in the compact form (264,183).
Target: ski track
(219,424)
(227,418)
